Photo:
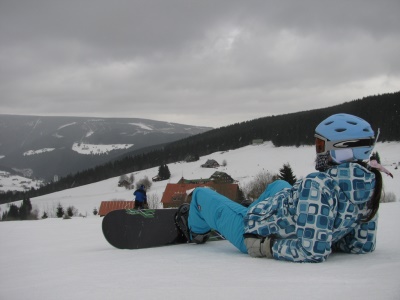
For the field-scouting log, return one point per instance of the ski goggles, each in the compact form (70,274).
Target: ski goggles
(323,145)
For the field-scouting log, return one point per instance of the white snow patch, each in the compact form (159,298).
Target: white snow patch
(66,125)
(40,151)
(39,121)
(59,136)
(10,182)
(92,149)
(89,133)
(141,125)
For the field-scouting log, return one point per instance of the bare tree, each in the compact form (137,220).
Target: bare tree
(145,181)
(153,201)
(126,181)
(256,187)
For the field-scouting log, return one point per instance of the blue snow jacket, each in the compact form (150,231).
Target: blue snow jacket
(321,212)
(140,195)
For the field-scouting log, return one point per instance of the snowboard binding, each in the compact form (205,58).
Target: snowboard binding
(181,222)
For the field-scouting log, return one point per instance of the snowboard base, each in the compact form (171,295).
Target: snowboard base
(146,228)
(137,229)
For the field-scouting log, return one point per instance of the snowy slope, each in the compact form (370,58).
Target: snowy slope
(242,164)
(9,182)
(70,259)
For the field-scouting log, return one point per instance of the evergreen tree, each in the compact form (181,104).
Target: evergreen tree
(163,172)
(13,213)
(286,173)
(71,211)
(60,211)
(25,209)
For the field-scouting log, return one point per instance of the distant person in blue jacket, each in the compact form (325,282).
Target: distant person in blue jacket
(140,197)
(334,209)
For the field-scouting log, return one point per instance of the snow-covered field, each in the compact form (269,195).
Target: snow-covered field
(88,149)
(40,151)
(70,259)
(10,182)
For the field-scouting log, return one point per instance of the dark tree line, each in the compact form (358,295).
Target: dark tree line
(23,212)
(295,129)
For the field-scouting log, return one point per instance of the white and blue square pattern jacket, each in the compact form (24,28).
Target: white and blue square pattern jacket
(321,212)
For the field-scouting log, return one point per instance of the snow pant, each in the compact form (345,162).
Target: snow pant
(210,210)
(139,204)
(271,190)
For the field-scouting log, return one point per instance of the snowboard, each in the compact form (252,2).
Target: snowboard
(146,228)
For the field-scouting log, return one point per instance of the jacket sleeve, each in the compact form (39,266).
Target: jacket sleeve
(361,240)
(316,211)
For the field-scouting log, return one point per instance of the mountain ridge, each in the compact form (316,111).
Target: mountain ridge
(294,129)
(51,145)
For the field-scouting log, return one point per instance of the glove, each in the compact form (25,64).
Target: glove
(258,246)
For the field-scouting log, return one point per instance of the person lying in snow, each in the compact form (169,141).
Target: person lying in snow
(334,209)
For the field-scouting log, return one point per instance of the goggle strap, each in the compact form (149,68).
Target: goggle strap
(353,143)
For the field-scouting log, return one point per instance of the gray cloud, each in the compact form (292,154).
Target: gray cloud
(197,62)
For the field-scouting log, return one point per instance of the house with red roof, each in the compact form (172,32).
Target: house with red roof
(177,193)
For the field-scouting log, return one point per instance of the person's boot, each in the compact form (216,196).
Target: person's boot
(181,221)
(200,238)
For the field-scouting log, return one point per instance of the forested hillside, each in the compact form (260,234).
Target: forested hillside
(298,128)
(382,111)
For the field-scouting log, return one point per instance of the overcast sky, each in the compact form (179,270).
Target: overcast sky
(204,62)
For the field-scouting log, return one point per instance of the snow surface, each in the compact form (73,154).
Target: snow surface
(89,133)
(18,183)
(143,126)
(56,135)
(66,125)
(40,151)
(84,148)
(70,259)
